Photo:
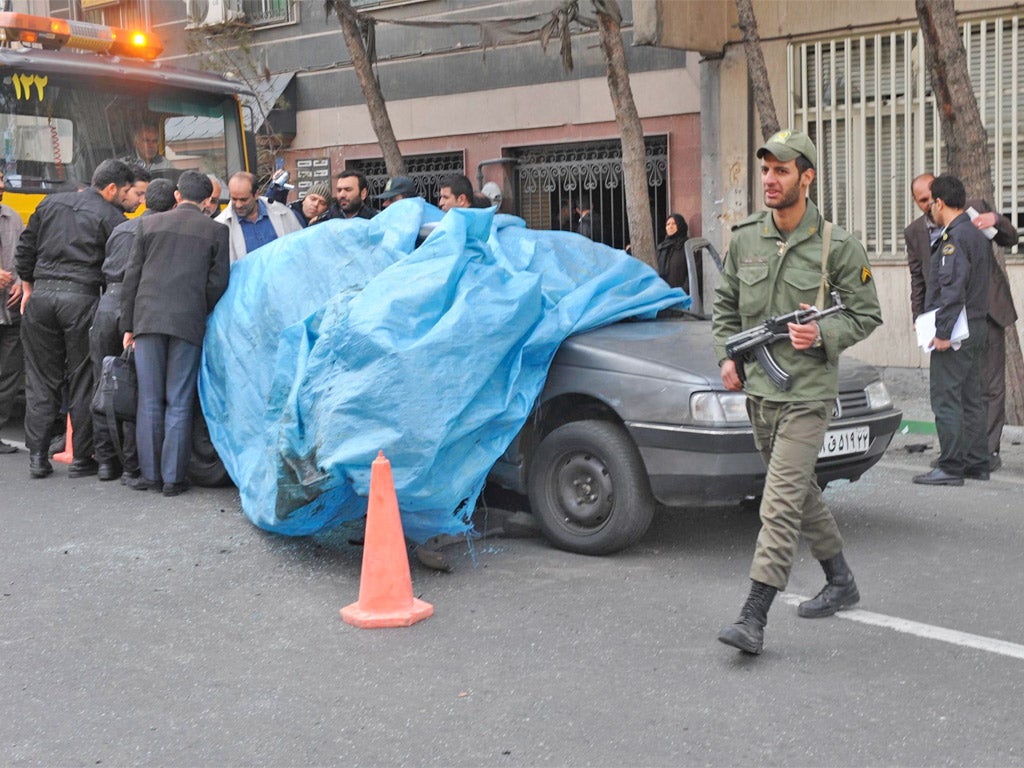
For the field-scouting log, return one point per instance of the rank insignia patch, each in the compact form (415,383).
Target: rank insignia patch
(865,275)
(948,249)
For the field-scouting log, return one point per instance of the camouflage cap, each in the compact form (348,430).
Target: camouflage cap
(786,145)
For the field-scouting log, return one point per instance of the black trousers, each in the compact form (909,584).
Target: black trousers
(105,339)
(957,403)
(55,338)
(12,367)
(993,384)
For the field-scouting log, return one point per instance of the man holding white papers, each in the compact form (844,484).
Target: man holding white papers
(919,236)
(958,281)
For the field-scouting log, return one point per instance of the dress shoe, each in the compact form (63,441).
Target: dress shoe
(109,470)
(176,489)
(83,468)
(938,477)
(976,474)
(128,477)
(142,484)
(994,462)
(39,465)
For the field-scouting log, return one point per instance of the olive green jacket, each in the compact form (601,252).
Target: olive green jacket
(766,277)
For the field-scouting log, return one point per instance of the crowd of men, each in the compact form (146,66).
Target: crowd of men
(82,282)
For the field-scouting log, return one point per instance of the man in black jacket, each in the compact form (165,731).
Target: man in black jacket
(105,337)
(177,272)
(59,260)
(958,282)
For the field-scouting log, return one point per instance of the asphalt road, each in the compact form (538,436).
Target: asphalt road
(140,630)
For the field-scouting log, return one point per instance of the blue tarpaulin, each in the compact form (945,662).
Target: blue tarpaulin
(346,339)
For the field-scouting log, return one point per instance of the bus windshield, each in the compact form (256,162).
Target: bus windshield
(57,128)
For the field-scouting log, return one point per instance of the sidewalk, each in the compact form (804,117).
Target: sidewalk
(909,390)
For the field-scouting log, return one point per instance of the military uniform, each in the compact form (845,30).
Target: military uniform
(959,278)
(767,274)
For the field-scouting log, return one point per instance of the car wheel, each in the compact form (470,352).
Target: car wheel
(205,468)
(588,488)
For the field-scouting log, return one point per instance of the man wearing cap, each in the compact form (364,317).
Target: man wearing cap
(780,260)
(398,188)
(311,208)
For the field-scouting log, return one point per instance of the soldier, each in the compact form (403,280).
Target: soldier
(781,259)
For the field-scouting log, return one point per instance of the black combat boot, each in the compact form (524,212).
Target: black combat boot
(840,590)
(747,633)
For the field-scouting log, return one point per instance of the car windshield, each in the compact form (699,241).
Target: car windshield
(58,128)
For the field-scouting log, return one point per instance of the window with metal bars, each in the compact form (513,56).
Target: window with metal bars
(557,184)
(867,103)
(426,171)
(261,12)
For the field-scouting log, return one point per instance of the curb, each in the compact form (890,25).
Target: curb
(1012,434)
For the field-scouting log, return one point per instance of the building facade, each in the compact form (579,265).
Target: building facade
(853,76)
(469,89)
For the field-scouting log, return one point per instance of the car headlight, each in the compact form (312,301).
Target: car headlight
(878,396)
(719,408)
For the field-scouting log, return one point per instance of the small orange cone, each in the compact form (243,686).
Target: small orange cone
(68,454)
(385,586)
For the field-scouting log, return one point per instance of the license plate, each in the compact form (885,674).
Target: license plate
(842,442)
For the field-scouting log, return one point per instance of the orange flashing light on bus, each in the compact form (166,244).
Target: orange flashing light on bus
(55,34)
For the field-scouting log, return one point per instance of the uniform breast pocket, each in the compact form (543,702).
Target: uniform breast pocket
(801,285)
(753,290)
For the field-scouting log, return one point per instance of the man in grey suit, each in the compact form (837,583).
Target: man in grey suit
(919,236)
(177,272)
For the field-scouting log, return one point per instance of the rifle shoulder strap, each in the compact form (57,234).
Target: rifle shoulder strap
(826,244)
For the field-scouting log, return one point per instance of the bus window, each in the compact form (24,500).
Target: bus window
(58,130)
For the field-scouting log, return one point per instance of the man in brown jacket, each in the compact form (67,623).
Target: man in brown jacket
(919,236)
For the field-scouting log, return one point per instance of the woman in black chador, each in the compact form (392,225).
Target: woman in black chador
(671,256)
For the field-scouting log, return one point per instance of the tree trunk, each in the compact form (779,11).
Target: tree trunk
(966,143)
(757,71)
(634,156)
(371,88)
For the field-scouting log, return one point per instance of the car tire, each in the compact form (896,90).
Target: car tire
(205,468)
(588,488)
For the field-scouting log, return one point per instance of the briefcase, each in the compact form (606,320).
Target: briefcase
(117,392)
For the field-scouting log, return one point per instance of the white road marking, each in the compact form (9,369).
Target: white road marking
(928,631)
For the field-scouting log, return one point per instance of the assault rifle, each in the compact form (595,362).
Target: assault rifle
(754,342)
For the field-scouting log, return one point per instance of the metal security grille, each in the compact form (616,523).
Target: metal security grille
(260,12)
(867,103)
(426,171)
(554,184)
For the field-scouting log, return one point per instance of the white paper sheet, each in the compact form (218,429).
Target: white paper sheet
(924,325)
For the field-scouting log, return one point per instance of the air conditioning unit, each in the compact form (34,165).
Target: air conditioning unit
(212,13)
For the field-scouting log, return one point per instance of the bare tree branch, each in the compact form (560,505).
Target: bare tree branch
(634,156)
(759,81)
(363,66)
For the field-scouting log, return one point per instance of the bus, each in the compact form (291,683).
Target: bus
(73,94)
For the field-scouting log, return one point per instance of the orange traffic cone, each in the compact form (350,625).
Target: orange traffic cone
(385,587)
(68,454)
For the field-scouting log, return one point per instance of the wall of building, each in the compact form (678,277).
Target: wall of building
(739,135)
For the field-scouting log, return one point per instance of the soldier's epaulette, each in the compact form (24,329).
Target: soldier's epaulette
(753,218)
